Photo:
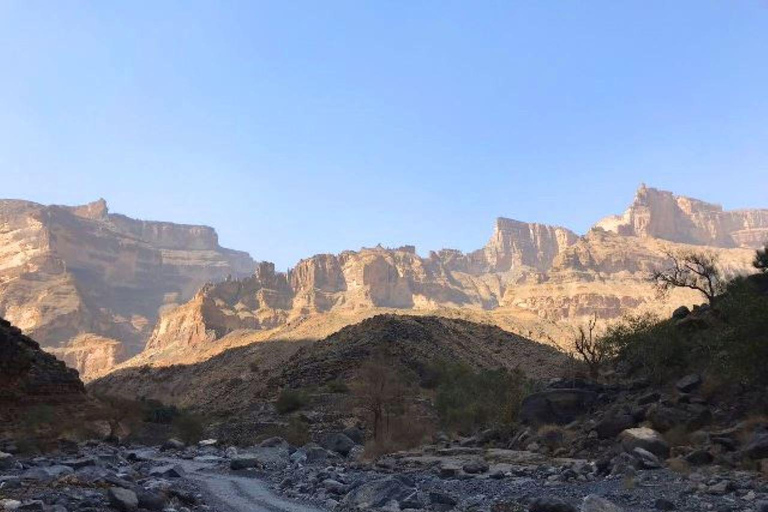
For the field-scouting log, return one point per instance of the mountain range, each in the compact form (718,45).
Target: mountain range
(104,291)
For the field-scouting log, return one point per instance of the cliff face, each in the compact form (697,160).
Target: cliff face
(69,272)
(525,269)
(660,214)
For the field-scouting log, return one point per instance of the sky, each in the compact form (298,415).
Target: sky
(305,127)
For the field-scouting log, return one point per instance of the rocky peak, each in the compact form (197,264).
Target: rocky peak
(515,244)
(661,214)
(96,210)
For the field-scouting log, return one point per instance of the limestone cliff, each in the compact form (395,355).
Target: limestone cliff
(70,272)
(524,271)
(660,214)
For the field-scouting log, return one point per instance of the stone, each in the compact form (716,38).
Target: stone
(80,463)
(664,504)
(124,500)
(548,504)
(377,493)
(208,442)
(689,383)
(334,486)
(356,434)
(595,503)
(337,442)
(172,444)
(244,462)
(645,438)
(151,500)
(168,471)
(646,459)
(274,442)
(7,461)
(757,447)
(442,498)
(699,457)
(613,425)
(556,406)
(476,466)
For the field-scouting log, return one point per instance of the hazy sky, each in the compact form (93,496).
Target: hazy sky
(299,127)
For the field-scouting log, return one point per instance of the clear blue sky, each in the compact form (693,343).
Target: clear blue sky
(300,127)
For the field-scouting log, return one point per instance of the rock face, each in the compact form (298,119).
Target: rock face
(542,271)
(660,214)
(89,284)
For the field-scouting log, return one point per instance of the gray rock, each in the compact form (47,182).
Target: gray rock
(123,499)
(558,406)
(31,506)
(151,500)
(7,461)
(646,459)
(757,447)
(172,444)
(377,493)
(334,486)
(169,471)
(664,504)
(699,457)
(595,503)
(275,442)
(244,462)
(476,466)
(645,438)
(337,442)
(47,474)
(613,425)
(356,434)
(79,463)
(550,505)
(441,498)
(689,383)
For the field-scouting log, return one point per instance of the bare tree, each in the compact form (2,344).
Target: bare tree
(380,393)
(591,350)
(689,269)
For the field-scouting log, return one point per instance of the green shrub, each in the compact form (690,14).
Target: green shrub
(467,400)
(290,400)
(188,427)
(337,386)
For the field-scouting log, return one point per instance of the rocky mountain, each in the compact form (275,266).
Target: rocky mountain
(89,285)
(528,278)
(660,214)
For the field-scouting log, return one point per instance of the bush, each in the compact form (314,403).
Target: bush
(467,400)
(337,386)
(290,400)
(189,428)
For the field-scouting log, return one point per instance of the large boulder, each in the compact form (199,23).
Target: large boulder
(337,442)
(614,424)
(558,406)
(645,438)
(757,447)
(689,383)
(377,493)
(124,500)
(244,462)
(7,461)
(595,503)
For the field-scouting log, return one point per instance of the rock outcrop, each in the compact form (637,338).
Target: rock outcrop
(661,214)
(69,272)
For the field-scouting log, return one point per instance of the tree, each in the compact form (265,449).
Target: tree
(593,351)
(689,269)
(761,259)
(381,393)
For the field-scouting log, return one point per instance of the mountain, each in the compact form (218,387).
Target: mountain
(237,379)
(529,278)
(89,285)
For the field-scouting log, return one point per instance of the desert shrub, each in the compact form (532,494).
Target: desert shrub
(290,400)
(468,400)
(337,386)
(658,350)
(188,427)
(154,411)
(761,259)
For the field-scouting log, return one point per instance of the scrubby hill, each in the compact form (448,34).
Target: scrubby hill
(414,343)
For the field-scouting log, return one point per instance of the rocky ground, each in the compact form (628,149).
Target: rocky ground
(275,476)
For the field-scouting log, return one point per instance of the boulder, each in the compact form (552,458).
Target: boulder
(244,461)
(558,406)
(275,442)
(476,466)
(123,499)
(208,442)
(645,438)
(595,503)
(689,383)
(356,434)
(550,505)
(337,442)
(645,459)
(7,461)
(151,500)
(169,471)
(699,457)
(172,444)
(757,447)
(612,425)
(377,493)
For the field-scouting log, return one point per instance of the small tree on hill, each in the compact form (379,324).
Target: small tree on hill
(689,269)
(593,351)
(381,393)
(761,259)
